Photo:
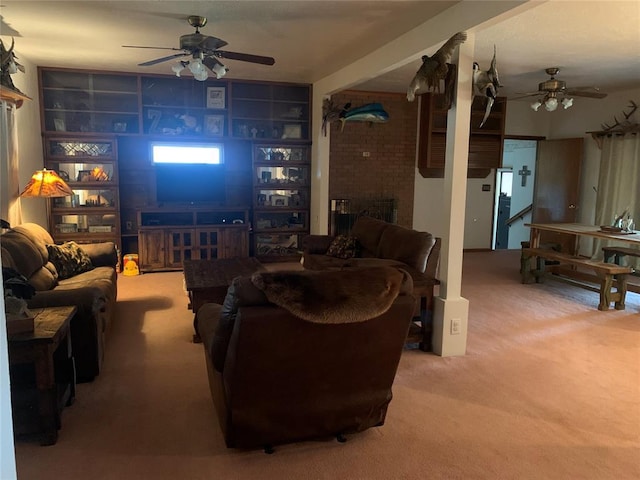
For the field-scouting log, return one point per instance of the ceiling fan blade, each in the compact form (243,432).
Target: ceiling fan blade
(245,57)
(155,48)
(525,95)
(589,92)
(163,59)
(212,43)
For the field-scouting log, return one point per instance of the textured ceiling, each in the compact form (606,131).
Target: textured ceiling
(311,39)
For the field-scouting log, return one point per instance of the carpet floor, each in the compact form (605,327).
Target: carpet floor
(549,389)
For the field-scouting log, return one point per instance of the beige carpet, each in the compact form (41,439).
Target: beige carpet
(549,389)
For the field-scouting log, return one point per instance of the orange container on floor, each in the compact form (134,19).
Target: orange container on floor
(130,264)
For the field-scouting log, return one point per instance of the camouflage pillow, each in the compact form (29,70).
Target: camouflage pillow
(69,259)
(343,246)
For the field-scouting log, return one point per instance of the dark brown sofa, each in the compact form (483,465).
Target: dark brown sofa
(301,355)
(24,249)
(379,243)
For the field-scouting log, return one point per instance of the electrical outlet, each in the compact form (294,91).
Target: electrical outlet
(129,225)
(455,326)
(366,154)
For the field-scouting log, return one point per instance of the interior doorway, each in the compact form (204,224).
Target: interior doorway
(514,194)
(504,184)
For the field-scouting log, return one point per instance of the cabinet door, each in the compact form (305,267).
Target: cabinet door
(208,243)
(180,246)
(152,249)
(235,242)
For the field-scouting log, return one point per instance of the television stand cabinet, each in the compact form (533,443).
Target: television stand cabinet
(169,235)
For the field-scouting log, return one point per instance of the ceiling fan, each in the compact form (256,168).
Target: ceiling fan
(204,51)
(553,88)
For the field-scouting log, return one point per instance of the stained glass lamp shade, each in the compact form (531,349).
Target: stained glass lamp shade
(46,183)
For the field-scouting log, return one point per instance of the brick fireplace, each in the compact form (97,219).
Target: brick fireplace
(373,165)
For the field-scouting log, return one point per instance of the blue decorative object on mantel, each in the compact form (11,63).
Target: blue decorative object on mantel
(371,112)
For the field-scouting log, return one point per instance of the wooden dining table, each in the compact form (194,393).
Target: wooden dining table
(581,230)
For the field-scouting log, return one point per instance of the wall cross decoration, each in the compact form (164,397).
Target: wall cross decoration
(524,173)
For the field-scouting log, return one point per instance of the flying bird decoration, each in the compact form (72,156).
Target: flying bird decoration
(486,84)
(436,68)
(332,112)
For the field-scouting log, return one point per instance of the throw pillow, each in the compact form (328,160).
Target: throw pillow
(69,259)
(343,246)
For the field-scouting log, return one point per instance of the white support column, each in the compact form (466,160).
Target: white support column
(451,311)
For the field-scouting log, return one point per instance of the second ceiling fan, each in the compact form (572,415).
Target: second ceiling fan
(204,51)
(554,90)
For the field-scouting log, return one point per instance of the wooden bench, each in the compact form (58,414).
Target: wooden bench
(609,274)
(619,252)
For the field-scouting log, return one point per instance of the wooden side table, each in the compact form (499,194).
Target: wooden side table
(48,348)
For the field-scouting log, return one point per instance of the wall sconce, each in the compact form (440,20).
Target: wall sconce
(46,183)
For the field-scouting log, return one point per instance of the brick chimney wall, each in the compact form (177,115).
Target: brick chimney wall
(389,170)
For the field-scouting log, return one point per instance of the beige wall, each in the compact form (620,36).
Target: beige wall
(585,115)
(30,156)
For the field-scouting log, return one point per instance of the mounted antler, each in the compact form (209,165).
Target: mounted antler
(626,126)
(633,107)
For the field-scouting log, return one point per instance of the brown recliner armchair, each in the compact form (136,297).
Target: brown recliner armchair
(302,355)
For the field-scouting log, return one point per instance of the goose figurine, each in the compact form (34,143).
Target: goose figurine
(435,68)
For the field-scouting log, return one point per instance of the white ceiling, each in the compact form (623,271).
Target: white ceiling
(595,43)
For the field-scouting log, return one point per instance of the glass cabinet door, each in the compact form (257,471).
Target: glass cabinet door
(89,102)
(89,166)
(281,182)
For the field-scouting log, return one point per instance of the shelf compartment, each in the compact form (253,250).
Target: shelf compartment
(282,198)
(74,149)
(89,102)
(293,176)
(94,223)
(266,220)
(276,244)
(277,154)
(86,174)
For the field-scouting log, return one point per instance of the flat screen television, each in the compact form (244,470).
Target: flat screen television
(188,173)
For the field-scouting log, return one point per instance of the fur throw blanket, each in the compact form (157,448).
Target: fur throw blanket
(346,296)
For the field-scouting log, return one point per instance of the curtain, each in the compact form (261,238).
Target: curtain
(618,185)
(10,191)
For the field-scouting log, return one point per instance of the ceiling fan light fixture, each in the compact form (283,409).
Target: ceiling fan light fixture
(567,102)
(177,68)
(201,76)
(196,66)
(220,70)
(536,105)
(551,104)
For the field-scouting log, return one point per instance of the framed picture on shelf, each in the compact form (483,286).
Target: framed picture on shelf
(84,176)
(59,125)
(216,97)
(214,125)
(292,131)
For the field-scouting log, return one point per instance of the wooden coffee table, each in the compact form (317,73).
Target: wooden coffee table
(48,348)
(207,281)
